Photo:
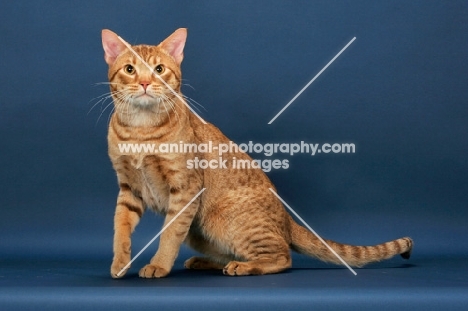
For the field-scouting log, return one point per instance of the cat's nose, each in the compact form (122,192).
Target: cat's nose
(144,85)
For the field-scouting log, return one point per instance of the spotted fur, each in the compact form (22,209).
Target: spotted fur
(237,223)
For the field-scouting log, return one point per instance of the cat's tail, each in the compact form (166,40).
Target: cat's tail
(305,242)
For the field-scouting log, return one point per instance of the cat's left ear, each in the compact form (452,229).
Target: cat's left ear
(112,45)
(174,44)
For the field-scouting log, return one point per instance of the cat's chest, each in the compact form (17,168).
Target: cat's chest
(143,176)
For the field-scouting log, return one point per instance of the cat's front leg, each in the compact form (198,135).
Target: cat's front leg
(174,235)
(128,212)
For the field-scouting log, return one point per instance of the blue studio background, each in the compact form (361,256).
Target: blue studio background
(398,93)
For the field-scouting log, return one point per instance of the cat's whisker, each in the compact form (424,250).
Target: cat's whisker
(166,100)
(163,102)
(173,103)
(111,93)
(102,102)
(102,111)
(101,99)
(108,83)
(193,102)
(188,85)
(110,115)
(94,106)
(124,99)
(189,101)
(122,103)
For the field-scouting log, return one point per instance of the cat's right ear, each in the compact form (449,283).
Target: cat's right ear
(112,45)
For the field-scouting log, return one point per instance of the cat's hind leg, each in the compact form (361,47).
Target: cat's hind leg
(256,237)
(260,264)
(202,263)
(215,260)
(260,255)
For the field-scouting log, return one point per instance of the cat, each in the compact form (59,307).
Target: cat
(238,225)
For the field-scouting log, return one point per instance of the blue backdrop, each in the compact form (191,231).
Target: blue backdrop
(398,93)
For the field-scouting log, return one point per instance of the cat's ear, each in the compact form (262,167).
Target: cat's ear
(112,45)
(174,44)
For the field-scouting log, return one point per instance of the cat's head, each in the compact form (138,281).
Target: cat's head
(143,96)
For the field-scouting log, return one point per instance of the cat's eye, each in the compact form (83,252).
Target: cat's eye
(129,69)
(159,69)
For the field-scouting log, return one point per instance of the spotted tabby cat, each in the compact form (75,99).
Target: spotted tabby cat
(238,225)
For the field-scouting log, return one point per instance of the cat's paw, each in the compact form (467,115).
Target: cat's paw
(152,271)
(198,263)
(117,267)
(238,268)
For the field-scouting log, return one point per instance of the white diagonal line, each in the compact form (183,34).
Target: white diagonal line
(312,230)
(310,82)
(160,232)
(162,80)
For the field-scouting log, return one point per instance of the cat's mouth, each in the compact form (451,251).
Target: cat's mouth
(145,95)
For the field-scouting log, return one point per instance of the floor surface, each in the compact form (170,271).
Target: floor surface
(417,284)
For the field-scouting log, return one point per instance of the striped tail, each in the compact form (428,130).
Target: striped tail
(305,242)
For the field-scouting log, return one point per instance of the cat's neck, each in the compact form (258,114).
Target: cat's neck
(152,126)
(136,118)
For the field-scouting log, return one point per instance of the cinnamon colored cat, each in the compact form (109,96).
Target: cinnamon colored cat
(236,223)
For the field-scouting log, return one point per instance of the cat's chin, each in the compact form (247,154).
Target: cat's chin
(144,113)
(146,102)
